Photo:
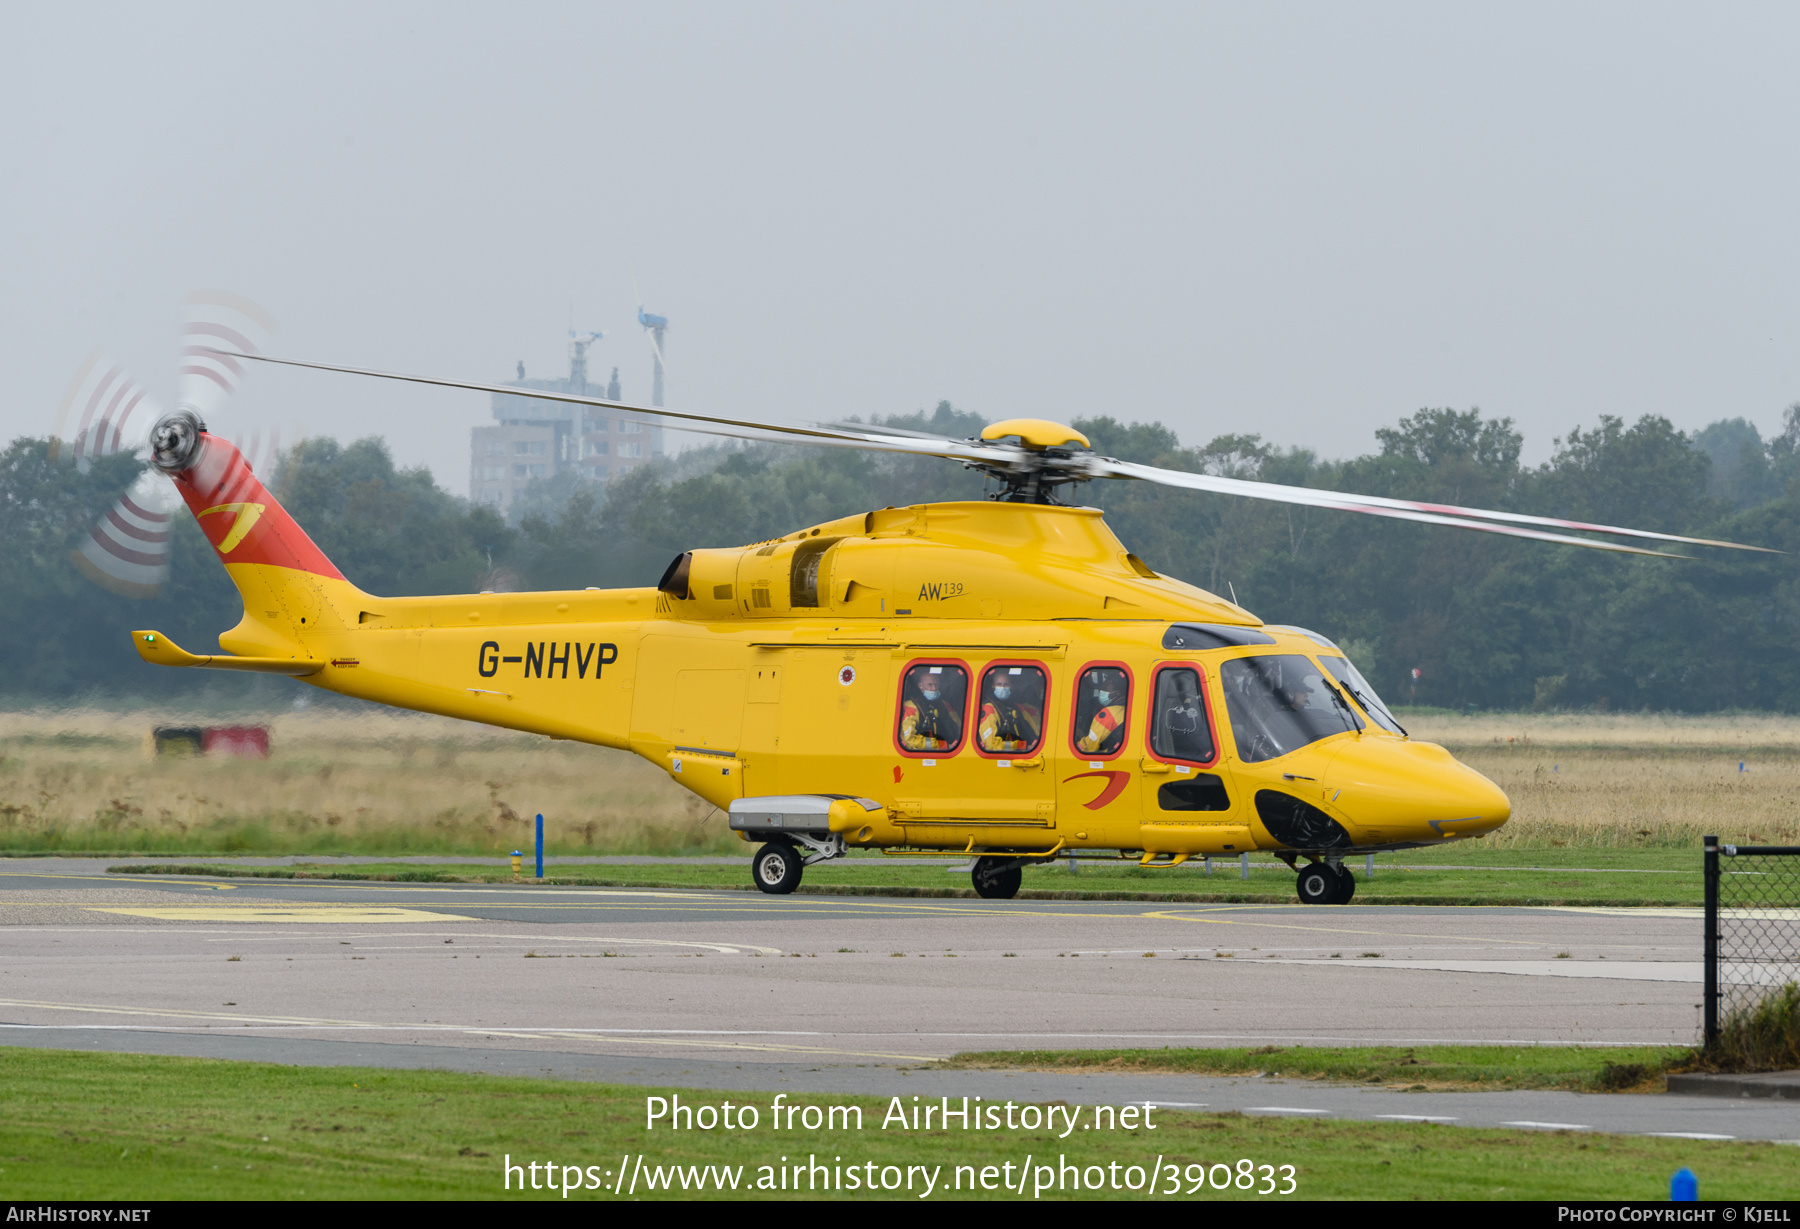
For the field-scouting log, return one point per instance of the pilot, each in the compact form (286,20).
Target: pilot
(927,721)
(1106,695)
(1010,721)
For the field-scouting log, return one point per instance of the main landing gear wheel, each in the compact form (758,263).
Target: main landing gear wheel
(1321,884)
(776,868)
(993,883)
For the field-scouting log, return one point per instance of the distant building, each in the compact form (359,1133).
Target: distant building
(540,439)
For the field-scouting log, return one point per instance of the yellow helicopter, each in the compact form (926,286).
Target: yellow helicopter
(1000,680)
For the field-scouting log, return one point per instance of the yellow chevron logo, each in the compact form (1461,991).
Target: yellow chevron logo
(247,516)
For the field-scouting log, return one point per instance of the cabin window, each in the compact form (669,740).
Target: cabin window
(933,699)
(1011,717)
(1281,703)
(1179,729)
(1102,704)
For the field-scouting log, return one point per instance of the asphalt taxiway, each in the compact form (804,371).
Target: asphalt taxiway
(831,993)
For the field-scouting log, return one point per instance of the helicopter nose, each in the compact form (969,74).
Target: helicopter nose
(1404,790)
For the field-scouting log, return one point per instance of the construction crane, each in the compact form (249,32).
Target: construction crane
(578,347)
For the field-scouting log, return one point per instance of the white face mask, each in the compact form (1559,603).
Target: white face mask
(1104,698)
(930,693)
(1002,693)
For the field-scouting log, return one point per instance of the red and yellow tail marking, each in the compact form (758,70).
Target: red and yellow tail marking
(240,518)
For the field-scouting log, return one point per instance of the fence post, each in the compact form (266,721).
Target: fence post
(1709,991)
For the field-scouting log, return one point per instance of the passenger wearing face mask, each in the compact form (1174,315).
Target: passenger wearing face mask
(927,720)
(1009,721)
(1106,730)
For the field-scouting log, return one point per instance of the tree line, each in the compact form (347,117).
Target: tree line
(1486,621)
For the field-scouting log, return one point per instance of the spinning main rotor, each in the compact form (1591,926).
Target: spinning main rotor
(1033,459)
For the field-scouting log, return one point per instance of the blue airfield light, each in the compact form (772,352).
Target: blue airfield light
(540,845)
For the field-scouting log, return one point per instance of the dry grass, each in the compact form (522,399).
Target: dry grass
(334,783)
(1629,780)
(397,783)
(1742,732)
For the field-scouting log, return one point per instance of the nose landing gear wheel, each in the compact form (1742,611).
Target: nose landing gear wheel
(1319,884)
(776,868)
(993,884)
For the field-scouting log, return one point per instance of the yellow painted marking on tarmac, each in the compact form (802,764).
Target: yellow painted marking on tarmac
(1170,915)
(382,885)
(285,913)
(850,909)
(1689,911)
(115,880)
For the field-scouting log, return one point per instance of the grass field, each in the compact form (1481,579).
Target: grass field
(83,1126)
(335,783)
(1410,1068)
(375,783)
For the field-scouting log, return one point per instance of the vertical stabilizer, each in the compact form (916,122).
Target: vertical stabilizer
(239,516)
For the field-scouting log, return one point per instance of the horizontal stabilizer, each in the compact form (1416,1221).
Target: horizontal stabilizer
(159,650)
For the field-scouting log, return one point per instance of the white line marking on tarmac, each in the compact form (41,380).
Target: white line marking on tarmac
(1280,1109)
(1415,1118)
(1619,970)
(1687,1135)
(1549,1126)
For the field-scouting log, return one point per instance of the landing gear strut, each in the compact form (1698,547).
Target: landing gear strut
(1324,883)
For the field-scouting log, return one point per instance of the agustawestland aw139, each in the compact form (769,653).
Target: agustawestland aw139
(994,679)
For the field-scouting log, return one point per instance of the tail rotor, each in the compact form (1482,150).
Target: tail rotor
(107,412)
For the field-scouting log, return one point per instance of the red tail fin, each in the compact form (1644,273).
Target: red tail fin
(239,516)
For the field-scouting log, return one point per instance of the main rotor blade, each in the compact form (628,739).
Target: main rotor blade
(1403,509)
(938,447)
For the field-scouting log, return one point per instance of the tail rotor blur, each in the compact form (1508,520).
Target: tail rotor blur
(107,412)
(217,321)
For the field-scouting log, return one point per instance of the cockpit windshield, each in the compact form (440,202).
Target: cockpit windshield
(1360,691)
(1280,703)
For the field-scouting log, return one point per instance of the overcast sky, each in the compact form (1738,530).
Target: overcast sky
(1301,220)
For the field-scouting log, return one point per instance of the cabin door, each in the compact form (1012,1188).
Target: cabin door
(1097,757)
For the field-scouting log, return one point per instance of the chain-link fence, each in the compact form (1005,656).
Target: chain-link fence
(1752,929)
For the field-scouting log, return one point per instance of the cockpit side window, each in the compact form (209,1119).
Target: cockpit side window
(933,702)
(1179,726)
(1281,702)
(1102,705)
(1010,720)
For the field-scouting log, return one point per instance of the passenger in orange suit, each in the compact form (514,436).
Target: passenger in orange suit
(1106,693)
(928,719)
(1012,714)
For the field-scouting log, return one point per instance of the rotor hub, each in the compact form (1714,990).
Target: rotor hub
(175,440)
